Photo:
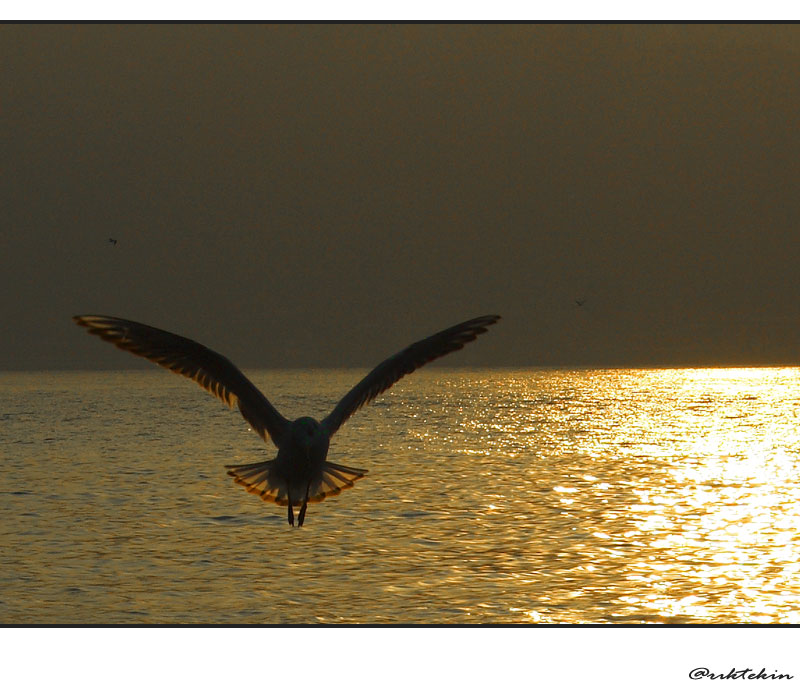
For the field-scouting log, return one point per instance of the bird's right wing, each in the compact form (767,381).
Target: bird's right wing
(386,374)
(209,370)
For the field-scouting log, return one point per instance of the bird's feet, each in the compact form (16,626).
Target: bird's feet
(291,516)
(302,515)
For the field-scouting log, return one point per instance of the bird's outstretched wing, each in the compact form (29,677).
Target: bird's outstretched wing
(205,367)
(386,374)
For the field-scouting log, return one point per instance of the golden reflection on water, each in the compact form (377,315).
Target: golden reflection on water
(547,496)
(686,479)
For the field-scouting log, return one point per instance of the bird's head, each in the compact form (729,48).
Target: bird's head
(308,434)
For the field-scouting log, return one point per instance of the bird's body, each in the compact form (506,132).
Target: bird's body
(299,473)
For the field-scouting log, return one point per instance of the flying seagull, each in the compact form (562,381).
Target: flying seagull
(112,241)
(300,473)
(580,301)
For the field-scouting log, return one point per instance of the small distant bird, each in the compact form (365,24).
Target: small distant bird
(300,473)
(581,301)
(112,241)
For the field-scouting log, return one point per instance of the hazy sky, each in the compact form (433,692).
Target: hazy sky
(322,195)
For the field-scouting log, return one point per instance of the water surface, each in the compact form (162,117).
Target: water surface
(499,496)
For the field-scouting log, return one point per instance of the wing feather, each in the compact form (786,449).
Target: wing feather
(387,373)
(207,368)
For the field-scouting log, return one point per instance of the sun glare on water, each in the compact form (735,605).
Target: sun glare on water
(685,480)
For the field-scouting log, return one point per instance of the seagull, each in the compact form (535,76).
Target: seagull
(580,301)
(300,473)
(112,241)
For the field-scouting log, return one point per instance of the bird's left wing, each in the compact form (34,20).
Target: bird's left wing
(207,368)
(386,374)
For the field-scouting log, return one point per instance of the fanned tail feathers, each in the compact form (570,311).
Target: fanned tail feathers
(267,480)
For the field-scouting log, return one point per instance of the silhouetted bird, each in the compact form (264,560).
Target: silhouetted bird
(112,241)
(300,473)
(581,301)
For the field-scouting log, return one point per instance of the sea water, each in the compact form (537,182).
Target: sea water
(493,496)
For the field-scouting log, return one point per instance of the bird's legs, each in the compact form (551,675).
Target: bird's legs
(302,516)
(291,515)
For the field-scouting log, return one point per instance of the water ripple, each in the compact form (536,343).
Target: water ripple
(648,496)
